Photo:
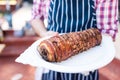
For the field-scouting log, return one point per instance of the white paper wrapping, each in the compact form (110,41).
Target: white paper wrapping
(89,60)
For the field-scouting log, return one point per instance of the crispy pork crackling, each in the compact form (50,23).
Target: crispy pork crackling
(62,47)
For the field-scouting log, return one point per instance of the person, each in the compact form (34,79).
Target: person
(65,16)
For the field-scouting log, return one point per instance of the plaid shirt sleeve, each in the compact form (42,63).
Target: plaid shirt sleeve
(107,16)
(40,8)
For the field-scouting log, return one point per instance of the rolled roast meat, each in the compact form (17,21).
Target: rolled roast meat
(62,47)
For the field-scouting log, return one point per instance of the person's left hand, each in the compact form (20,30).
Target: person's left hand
(110,36)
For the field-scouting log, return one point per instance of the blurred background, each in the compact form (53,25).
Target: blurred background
(16,35)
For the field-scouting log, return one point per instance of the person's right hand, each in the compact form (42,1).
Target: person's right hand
(49,33)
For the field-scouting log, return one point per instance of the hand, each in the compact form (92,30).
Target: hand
(49,33)
(110,36)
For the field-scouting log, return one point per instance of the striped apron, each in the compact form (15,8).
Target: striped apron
(71,16)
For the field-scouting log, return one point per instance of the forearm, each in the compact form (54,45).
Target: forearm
(107,16)
(38,26)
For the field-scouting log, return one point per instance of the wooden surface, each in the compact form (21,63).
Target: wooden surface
(15,45)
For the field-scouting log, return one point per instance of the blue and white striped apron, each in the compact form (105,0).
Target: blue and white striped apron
(71,16)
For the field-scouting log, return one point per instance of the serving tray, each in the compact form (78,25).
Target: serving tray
(89,60)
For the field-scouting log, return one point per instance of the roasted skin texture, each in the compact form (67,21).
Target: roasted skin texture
(62,47)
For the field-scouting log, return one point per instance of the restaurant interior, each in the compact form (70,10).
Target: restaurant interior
(16,35)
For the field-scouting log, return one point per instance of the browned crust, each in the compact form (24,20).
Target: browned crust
(59,48)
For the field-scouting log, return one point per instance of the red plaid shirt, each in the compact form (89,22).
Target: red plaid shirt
(106,14)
